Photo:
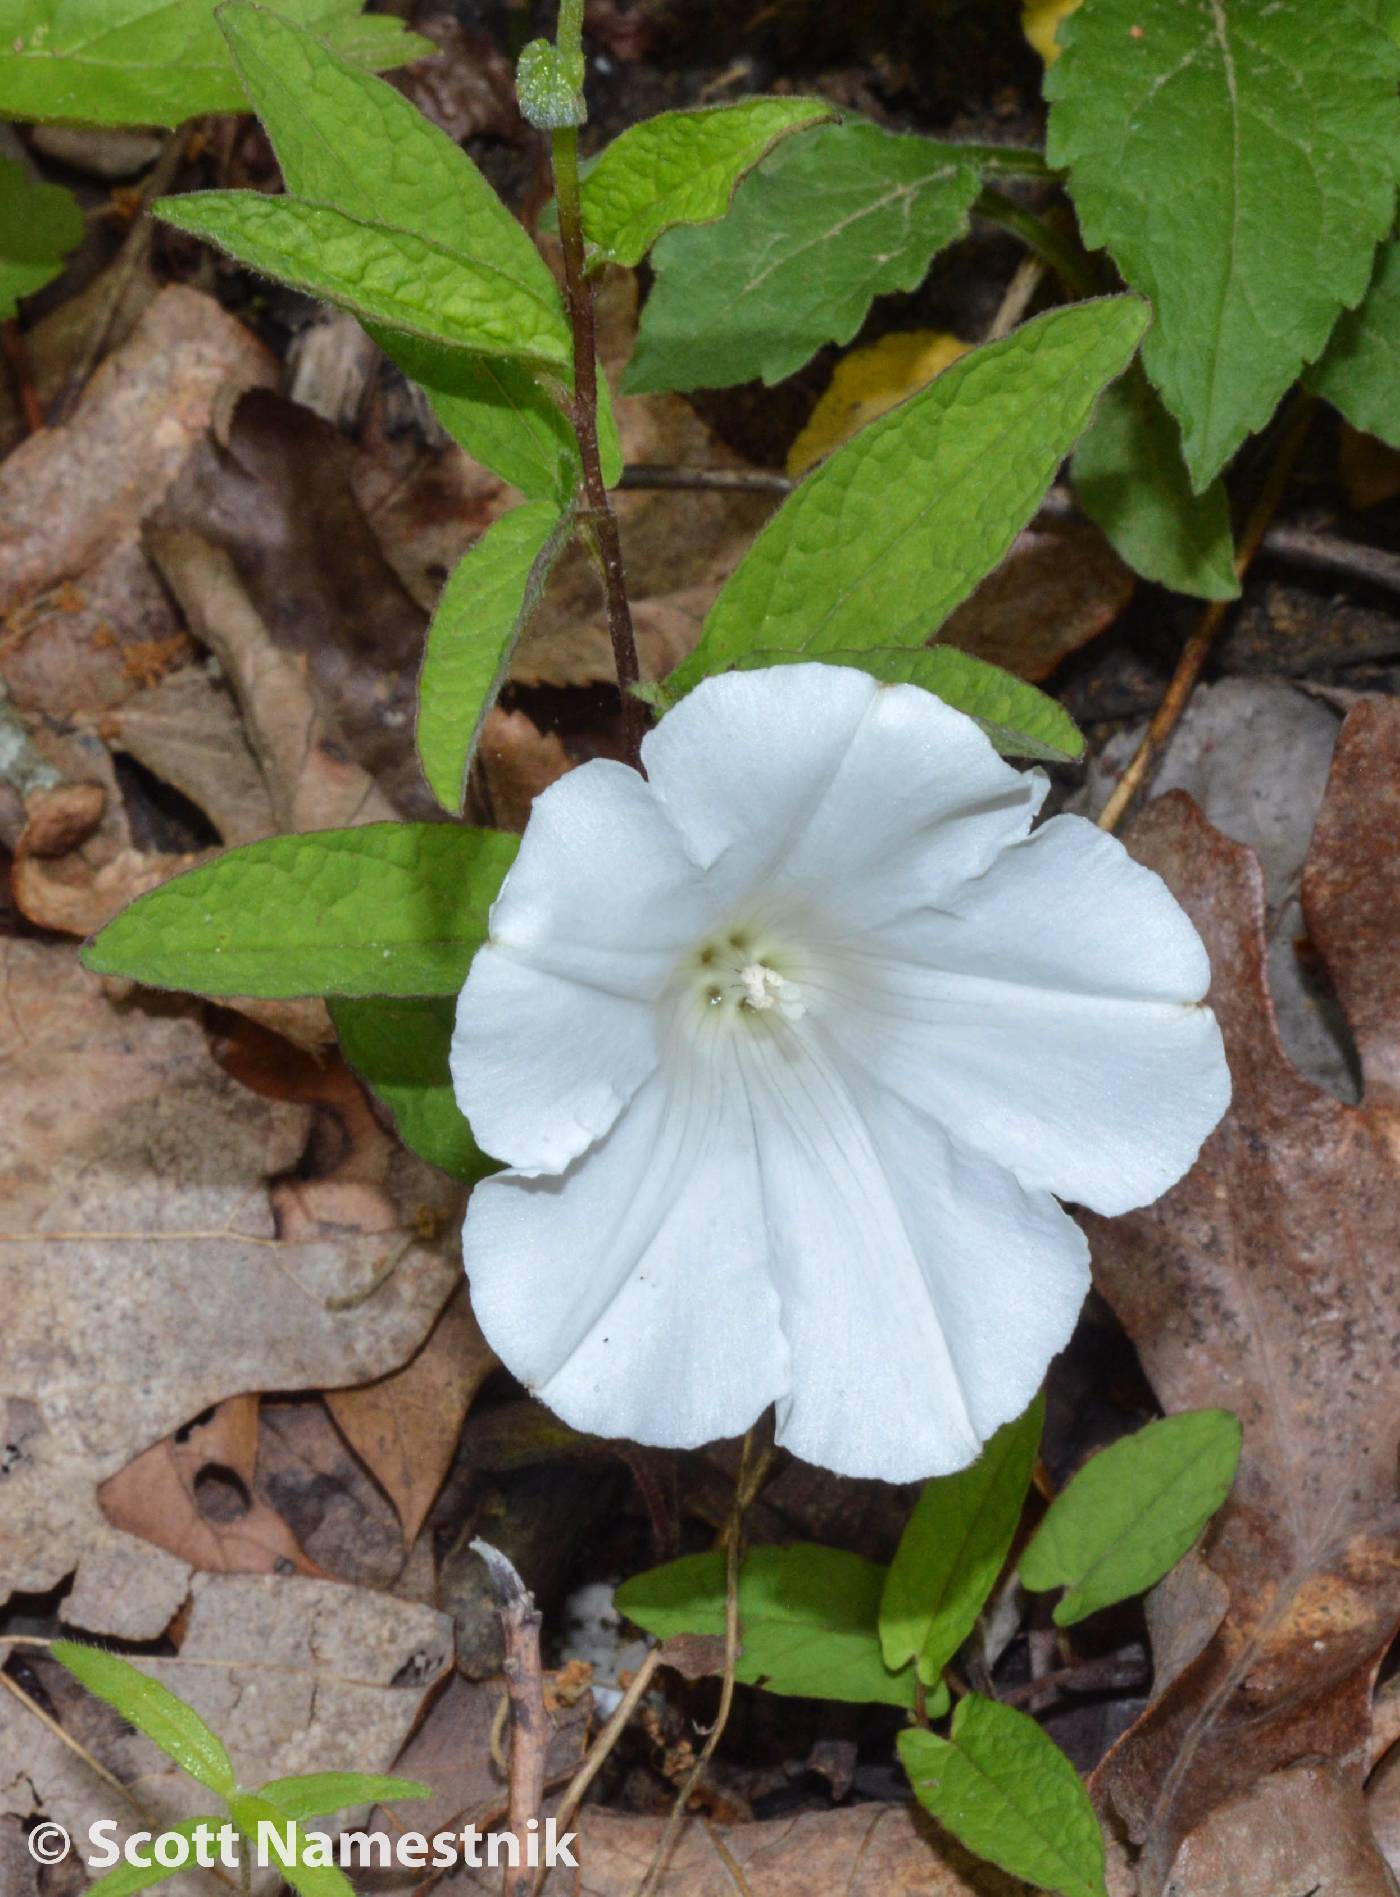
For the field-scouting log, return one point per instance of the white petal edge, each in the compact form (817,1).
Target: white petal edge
(632,1294)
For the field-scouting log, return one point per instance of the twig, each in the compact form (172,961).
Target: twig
(529,1723)
(607,1738)
(596,516)
(1195,652)
(129,259)
(706,480)
(754,1464)
(1089,1676)
(1017,300)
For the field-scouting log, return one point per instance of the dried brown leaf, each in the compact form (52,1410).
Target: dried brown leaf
(1060,586)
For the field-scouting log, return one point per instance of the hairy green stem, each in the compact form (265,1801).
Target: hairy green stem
(1063,255)
(597,515)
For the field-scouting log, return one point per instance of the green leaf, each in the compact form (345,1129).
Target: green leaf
(385,909)
(1239,164)
(1008,1793)
(1132,1511)
(1020,720)
(153,1709)
(330,126)
(39,225)
(1360,371)
(317,1794)
(1131,480)
(892,531)
(829,222)
(124,1880)
(378,272)
(681,168)
(249,1810)
(157,62)
(807,1620)
(399,1048)
(953,1547)
(483,609)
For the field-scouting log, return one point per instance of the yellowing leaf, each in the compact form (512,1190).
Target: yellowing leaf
(1041,18)
(870,382)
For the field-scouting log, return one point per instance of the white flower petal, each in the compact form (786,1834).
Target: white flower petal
(632,1294)
(815,779)
(542,1066)
(1052,1020)
(923,1290)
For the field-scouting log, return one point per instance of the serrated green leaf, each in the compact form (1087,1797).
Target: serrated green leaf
(124,1880)
(484,607)
(953,1547)
(158,62)
(330,126)
(376,271)
(681,168)
(39,225)
(1132,1511)
(1131,480)
(385,909)
(1359,372)
(1239,164)
(1008,1793)
(1020,720)
(808,1620)
(891,532)
(153,1709)
(399,1048)
(249,1810)
(828,223)
(317,1794)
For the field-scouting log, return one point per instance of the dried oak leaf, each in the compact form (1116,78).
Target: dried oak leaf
(295,1675)
(142,1274)
(1267,1283)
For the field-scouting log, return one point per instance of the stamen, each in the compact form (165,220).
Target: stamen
(765,988)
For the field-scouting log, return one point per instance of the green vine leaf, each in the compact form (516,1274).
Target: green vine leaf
(1360,371)
(318,1794)
(399,1047)
(1239,163)
(1008,1793)
(1132,482)
(39,225)
(825,225)
(681,168)
(1132,1511)
(483,609)
(385,909)
(153,1709)
(125,1880)
(887,535)
(158,62)
(953,1548)
(808,1620)
(308,1878)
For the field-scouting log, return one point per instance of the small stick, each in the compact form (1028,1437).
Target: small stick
(529,1723)
(1089,1676)
(607,1738)
(1197,648)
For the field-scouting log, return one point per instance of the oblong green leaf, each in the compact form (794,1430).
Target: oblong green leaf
(317,1794)
(1008,1793)
(157,62)
(124,1880)
(825,225)
(385,909)
(1132,482)
(39,225)
(1239,164)
(399,1047)
(376,271)
(891,532)
(484,606)
(1020,719)
(1359,372)
(953,1547)
(807,1620)
(681,168)
(153,1709)
(250,1812)
(1132,1511)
